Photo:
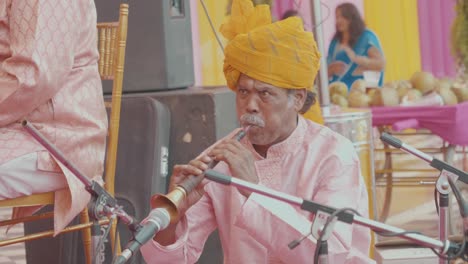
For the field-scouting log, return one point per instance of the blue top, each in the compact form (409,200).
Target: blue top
(335,53)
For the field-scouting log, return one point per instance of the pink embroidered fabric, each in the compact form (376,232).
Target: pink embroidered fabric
(49,75)
(448,122)
(313,163)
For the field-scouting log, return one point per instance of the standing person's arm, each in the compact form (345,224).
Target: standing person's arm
(334,67)
(42,37)
(373,59)
(376,61)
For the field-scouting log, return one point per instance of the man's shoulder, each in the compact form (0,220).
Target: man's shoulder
(322,137)
(317,133)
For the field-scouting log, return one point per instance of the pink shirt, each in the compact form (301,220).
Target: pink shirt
(49,75)
(313,163)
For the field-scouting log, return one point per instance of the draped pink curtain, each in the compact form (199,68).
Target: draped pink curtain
(435,19)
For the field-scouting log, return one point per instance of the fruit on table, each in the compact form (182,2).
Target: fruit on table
(423,81)
(338,88)
(385,96)
(358,99)
(443,83)
(339,100)
(461,93)
(359,85)
(412,95)
(448,96)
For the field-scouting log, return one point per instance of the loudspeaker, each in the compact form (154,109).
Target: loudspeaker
(159,52)
(142,169)
(143,155)
(199,117)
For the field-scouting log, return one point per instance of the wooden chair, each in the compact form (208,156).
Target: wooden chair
(112,39)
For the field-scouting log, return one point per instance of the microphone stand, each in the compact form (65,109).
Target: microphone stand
(445,246)
(443,188)
(442,185)
(102,203)
(322,233)
(323,252)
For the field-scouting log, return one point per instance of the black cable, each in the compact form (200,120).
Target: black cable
(316,251)
(457,255)
(212,26)
(462,248)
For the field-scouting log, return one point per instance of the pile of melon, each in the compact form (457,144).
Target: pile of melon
(422,85)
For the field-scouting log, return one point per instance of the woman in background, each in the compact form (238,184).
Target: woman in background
(353,49)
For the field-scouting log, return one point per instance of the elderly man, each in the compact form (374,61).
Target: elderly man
(271,68)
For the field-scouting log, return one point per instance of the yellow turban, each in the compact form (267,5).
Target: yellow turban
(281,53)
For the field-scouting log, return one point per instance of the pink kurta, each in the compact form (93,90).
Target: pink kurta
(49,75)
(313,163)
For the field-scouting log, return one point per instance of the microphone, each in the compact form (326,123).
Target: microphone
(157,220)
(433,162)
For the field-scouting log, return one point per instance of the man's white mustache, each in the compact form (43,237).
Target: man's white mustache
(248,119)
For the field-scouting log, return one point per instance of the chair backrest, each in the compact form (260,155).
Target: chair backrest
(112,39)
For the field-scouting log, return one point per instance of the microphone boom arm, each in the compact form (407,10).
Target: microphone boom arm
(443,246)
(105,203)
(433,162)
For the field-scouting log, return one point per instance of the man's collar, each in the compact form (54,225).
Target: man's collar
(288,145)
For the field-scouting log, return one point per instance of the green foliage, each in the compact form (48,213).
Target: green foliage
(459,34)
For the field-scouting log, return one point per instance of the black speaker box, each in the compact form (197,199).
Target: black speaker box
(199,117)
(159,52)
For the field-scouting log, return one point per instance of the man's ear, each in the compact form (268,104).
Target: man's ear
(299,99)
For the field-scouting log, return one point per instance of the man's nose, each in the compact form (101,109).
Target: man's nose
(252,104)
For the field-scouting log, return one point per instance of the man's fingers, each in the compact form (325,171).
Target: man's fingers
(186,170)
(232,145)
(199,164)
(206,159)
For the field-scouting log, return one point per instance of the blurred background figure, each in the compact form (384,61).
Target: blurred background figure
(354,49)
(290,13)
